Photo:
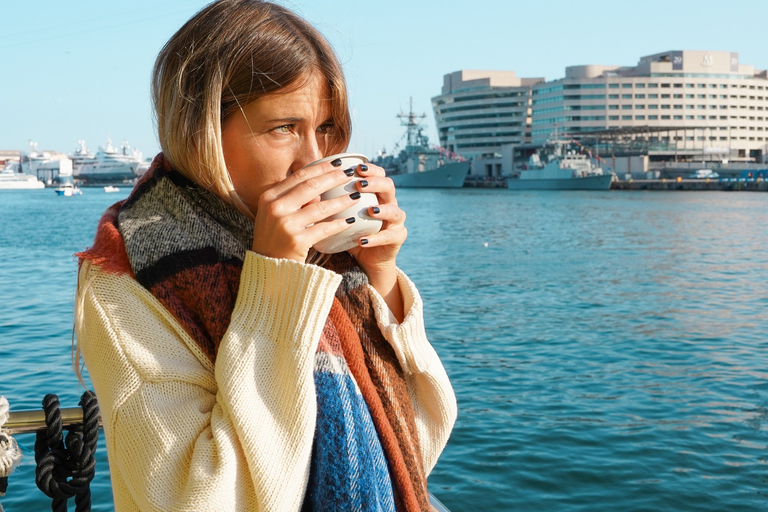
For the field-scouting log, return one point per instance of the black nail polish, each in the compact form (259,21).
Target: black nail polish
(375,209)
(349,172)
(363,183)
(355,195)
(350,220)
(336,162)
(363,167)
(363,241)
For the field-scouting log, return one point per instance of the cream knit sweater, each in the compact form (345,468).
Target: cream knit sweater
(185,435)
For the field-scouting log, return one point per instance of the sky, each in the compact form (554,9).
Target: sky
(80,70)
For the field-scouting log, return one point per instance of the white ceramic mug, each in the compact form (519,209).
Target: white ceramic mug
(364,224)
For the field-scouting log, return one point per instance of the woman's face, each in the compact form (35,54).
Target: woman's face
(275,135)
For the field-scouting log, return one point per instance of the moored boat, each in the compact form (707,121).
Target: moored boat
(110,164)
(11,179)
(68,190)
(419,165)
(563,168)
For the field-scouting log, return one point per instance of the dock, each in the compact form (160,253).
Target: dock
(688,184)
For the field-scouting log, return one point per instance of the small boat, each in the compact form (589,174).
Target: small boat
(68,190)
(110,188)
(419,165)
(563,168)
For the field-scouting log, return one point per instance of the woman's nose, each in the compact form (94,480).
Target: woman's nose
(310,151)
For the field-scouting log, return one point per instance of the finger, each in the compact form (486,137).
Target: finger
(307,173)
(293,193)
(321,210)
(325,229)
(370,169)
(387,212)
(393,235)
(382,186)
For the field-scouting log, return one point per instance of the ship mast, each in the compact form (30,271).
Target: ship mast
(412,122)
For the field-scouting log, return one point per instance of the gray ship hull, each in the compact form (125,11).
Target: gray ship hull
(600,182)
(446,176)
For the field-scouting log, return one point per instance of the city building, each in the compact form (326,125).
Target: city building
(689,102)
(672,107)
(481,112)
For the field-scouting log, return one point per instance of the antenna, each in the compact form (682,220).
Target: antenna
(412,122)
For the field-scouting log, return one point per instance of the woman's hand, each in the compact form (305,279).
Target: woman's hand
(377,253)
(290,217)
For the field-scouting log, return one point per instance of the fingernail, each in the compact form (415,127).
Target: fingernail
(363,167)
(336,162)
(363,183)
(375,209)
(355,195)
(349,172)
(363,241)
(350,220)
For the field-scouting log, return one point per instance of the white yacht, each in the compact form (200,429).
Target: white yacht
(12,179)
(110,164)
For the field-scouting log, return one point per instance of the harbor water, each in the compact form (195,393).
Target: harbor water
(608,349)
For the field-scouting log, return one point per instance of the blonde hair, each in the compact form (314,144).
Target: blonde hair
(230,53)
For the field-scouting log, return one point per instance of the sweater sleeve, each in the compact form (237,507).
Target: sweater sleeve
(183,435)
(432,397)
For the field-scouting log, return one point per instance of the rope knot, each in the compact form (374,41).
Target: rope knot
(66,466)
(10,454)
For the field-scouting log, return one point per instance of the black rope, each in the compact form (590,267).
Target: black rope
(65,467)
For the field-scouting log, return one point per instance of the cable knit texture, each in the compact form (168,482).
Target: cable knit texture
(231,381)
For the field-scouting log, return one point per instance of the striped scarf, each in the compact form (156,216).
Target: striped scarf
(186,246)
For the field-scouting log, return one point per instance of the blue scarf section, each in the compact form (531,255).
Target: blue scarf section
(349,470)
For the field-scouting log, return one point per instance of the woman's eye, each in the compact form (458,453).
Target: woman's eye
(325,128)
(286,128)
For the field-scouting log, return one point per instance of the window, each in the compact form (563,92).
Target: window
(701,96)
(652,118)
(678,96)
(665,95)
(678,86)
(653,106)
(613,96)
(689,86)
(664,118)
(640,118)
(677,117)
(613,86)
(702,86)
(640,107)
(653,96)
(665,107)
(677,107)
(613,118)
(640,96)
(626,107)
(613,107)
(689,96)
(689,117)
(653,86)
(626,86)
(626,96)
(665,86)
(626,118)
(640,86)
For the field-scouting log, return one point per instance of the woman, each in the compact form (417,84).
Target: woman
(232,374)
